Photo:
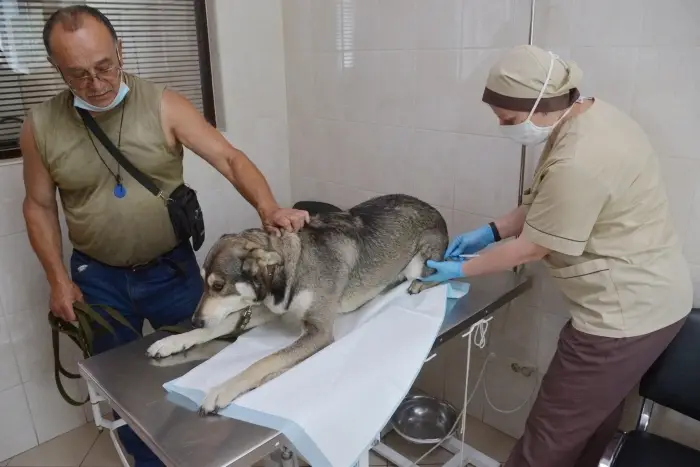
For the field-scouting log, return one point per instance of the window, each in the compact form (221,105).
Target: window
(164,41)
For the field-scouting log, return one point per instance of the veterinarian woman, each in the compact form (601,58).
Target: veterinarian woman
(598,216)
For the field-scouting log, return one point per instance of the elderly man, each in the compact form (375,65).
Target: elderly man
(126,252)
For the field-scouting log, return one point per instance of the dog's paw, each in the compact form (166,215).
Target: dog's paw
(170,345)
(417,286)
(221,396)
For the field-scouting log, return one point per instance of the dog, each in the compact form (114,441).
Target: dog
(335,264)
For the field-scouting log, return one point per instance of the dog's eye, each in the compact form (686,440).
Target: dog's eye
(217,286)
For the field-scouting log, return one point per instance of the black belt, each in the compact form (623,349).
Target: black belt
(164,258)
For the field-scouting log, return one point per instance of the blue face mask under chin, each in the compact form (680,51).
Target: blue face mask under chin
(123,90)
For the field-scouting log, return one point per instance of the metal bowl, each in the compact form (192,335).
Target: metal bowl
(422,419)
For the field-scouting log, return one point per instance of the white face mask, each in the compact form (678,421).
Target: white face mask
(528,133)
(121,94)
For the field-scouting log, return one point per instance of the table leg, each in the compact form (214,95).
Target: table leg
(289,457)
(101,423)
(363,461)
(463,454)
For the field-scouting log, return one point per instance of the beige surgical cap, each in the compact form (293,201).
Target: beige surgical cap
(516,80)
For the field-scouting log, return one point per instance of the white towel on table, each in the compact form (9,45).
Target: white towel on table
(332,405)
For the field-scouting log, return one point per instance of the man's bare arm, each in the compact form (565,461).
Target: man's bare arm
(186,125)
(41,210)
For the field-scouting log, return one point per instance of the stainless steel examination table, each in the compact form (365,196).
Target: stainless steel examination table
(132,384)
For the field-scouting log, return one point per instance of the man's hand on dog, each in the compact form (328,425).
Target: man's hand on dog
(281,220)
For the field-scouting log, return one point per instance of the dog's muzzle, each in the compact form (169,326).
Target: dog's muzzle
(197,322)
(241,325)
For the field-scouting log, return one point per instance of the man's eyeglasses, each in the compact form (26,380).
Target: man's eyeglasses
(104,74)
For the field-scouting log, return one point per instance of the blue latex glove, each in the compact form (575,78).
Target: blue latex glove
(446,270)
(470,242)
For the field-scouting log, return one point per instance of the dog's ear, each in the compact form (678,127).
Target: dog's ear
(241,247)
(265,257)
(262,267)
(259,260)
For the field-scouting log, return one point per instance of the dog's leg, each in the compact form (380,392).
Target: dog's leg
(432,246)
(313,340)
(180,342)
(197,353)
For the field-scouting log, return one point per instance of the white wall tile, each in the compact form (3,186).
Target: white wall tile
(431,378)
(464,221)
(670,23)
(31,340)
(486,175)
(52,416)
(339,195)
(599,63)
(22,280)
(397,88)
(252,86)
(354,158)
(360,86)
(298,56)
(325,20)
(437,24)
(456,353)
(321,151)
(682,179)
(495,23)
(439,92)
(692,243)
(11,197)
(16,430)
(424,169)
(328,100)
(477,117)
(604,23)
(553,22)
(357,27)
(509,392)
(9,371)
(394,26)
(515,334)
(660,99)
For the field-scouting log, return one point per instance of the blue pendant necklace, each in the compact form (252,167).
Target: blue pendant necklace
(119,190)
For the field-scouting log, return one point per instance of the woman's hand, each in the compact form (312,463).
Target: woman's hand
(445,271)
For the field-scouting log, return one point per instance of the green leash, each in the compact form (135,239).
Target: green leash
(83,335)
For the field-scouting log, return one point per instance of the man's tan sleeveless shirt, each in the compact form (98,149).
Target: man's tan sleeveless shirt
(117,231)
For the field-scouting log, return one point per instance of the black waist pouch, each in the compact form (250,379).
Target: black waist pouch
(186,215)
(182,204)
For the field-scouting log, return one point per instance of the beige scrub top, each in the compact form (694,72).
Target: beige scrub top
(598,203)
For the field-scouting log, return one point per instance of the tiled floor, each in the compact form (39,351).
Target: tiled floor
(86,447)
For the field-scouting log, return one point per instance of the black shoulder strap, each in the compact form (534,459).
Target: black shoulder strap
(116,153)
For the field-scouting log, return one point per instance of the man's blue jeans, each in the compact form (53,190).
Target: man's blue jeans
(165,293)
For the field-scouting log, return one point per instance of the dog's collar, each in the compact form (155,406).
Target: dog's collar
(243,320)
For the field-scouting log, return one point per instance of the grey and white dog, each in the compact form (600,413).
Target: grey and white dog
(338,262)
